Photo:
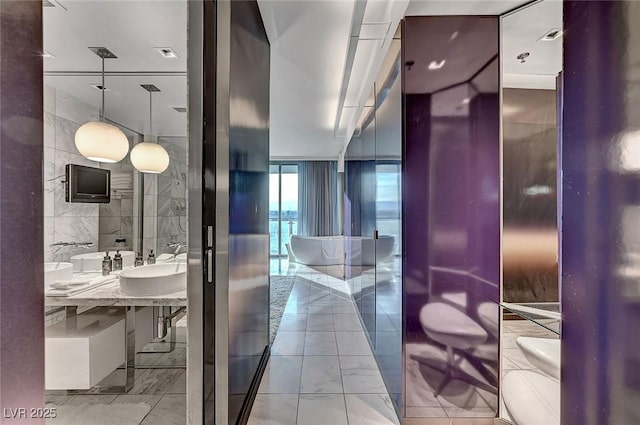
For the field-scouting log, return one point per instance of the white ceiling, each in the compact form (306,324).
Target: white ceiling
(308,49)
(131,30)
(309,40)
(521,33)
(461,7)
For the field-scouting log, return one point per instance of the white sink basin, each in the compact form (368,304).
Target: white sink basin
(155,279)
(181,258)
(57,271)
(92,261)
(544,353)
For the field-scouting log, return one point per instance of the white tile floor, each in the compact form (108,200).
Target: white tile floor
(321,370)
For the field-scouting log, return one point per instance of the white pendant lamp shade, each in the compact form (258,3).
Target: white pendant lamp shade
(98,140)
(102,142)
(149,158)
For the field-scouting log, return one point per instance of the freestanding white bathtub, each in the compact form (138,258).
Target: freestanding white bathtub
(331,250)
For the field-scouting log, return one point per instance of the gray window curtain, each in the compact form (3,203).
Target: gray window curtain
(318,198)
(360,191)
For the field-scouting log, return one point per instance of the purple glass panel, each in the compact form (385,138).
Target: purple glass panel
(451,215)
(600,246)
(21,245)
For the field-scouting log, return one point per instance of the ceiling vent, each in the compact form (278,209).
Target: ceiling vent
(150,87)
(551,35)
(100,87)
(180,109)
(166,52)
(52,3)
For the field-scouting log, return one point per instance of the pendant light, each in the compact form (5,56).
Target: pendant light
(150,157)
(98,140)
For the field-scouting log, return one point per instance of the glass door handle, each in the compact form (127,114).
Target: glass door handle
(210,265)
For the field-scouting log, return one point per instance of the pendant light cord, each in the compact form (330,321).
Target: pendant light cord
(150,115)
(102,90)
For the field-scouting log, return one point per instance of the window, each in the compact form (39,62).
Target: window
(283,206)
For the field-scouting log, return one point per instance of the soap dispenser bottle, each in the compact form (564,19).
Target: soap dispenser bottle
(152,257)
(107,264)
(117,261)
(139,260)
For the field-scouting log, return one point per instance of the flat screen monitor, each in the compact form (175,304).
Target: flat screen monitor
(87,184)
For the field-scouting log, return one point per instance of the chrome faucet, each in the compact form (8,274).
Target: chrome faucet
(59,245)
(177,247)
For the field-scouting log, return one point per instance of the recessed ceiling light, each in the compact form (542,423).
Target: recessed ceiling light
(522,57)
(100,87)
(454,35)
(552,34)
(166,52)
(466,101)
(46,54)
(434,65)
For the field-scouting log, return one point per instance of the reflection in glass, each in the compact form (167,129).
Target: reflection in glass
(451,213)
(530,237)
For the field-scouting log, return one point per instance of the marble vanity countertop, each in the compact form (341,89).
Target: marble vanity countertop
(110,295)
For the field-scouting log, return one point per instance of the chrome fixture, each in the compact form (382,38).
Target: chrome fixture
(177,247)
(551,35)
(59,245)
(522,57)
(166,52)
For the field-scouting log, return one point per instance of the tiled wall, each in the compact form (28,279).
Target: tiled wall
(100,224)
(171,189)
(63,221)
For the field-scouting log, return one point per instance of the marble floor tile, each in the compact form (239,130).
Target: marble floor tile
(288,343)
(370,409)
(322,409)
(151,400)
(78,400)
(425,412)
(353,344)
(274,409)
(320,308)
(282,375)
(57,399)
(293,322)
(170,410)
(296,307)
(360,375)
(177,357)
(155,381)
(343,308)
(180,386)
(320,322)
(347,322)
(147,359)
(469,412)
(321,374)
(320,344)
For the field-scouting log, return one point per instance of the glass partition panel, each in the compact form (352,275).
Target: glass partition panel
(388,310)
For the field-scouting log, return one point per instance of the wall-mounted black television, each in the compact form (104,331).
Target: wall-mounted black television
(87,184)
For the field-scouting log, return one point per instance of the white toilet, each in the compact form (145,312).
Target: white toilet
(533,397)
